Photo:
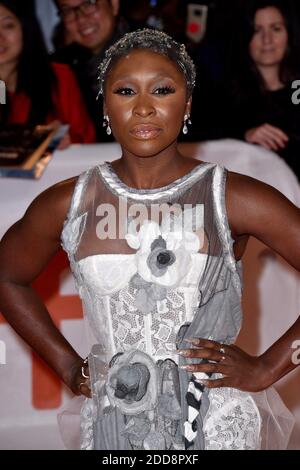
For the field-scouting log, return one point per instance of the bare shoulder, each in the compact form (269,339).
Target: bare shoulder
(250,200)
(255,208)
(34,239)
(51,206)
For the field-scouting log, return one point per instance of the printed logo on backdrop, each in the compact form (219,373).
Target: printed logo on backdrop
(2,353)
(2,92)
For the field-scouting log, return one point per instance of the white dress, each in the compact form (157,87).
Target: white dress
(154,267)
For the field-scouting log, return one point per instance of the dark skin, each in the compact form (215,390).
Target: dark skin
(138,93)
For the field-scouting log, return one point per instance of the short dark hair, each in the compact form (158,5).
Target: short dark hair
(155,41)
(289,67)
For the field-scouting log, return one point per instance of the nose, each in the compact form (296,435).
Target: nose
(80,17)
(267,36)
(143,106)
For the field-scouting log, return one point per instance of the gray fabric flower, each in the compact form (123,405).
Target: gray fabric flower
(163,256)
(132,382)
(160,258)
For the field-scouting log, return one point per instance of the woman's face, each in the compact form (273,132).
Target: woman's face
(145,99)
(11,37)
(270,39)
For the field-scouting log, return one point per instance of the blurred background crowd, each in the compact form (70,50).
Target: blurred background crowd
(246,53)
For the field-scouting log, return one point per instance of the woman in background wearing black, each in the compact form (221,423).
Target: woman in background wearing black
(258,104)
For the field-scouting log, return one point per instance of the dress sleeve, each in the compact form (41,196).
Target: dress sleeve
(70,107)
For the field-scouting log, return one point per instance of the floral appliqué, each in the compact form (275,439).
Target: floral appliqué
(163,258)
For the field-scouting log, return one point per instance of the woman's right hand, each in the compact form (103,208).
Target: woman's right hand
(80,381)
(269,137)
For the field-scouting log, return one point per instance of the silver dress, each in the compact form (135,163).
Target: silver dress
(153,268)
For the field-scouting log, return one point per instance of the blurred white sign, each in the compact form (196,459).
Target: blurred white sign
(2,92)
(196,22)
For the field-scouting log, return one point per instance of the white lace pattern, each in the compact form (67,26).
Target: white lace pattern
(232,422)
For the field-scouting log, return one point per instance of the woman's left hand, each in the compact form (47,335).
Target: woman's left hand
(239,369)
(65,142)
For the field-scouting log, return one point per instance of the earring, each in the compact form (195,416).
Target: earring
(185,123)
(106,124)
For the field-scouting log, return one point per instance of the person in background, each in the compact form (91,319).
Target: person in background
(258,107)
(91,26)
(39,92)
(137,12)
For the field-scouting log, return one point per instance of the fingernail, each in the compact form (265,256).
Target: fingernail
(201,382)
(182,353)
(186,367)
(192,340)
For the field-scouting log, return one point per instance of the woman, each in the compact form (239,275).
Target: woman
(259,107)
(38,92)
(155,258)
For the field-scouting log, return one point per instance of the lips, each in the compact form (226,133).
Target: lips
(87,31)
(145,131)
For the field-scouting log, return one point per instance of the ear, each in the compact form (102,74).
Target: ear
(188,107)
(115,6)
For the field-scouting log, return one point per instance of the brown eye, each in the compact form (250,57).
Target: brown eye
(124,91)
(164,90)
(9,26)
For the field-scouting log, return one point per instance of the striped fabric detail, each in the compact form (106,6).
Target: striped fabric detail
(193,398)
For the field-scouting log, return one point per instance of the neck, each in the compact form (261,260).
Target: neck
(97,50)
(9,74)
(151,172)
(270,76)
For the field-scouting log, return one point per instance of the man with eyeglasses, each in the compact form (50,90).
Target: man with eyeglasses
(91,26)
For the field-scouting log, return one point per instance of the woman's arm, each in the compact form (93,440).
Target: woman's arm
(259,210)
(269,137)
(24,252)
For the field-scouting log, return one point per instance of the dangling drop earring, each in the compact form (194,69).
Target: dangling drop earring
(185,123)
(106,124)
